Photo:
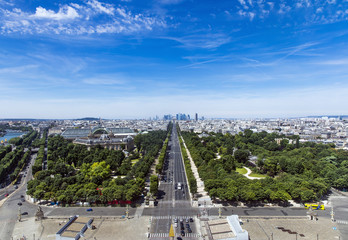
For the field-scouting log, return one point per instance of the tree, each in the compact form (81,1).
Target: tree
(241,155)
(308,195)
(153,184)
(280,196)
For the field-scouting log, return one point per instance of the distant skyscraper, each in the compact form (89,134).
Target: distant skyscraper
(196,117)
(167,117)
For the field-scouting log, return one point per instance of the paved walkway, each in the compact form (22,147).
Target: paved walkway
(200,184)
(249,172)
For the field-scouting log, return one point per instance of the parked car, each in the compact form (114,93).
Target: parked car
(89,209)
(19,204)
(24,213)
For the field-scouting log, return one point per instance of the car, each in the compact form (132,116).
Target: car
(22,196)
(187,225)
(19,204)
(22,200)
(176,225)
(178,238)
(189,230)
(89,209)
(24,213)
(6,195)
(175,220)
(191,219)
(16,187)
(183,233)
(186,220)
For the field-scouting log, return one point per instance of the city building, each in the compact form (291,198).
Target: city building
(111,138)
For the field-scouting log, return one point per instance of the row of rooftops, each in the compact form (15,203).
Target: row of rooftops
(73,133)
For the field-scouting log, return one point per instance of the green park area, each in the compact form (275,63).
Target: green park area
(289,169)
(241,171)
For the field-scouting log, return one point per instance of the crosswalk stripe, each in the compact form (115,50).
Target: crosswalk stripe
(172,217)
(342,222)
(161,235)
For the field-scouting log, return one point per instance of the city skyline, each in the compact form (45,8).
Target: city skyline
(137,59)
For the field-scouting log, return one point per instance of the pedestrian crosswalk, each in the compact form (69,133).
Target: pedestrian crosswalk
(154,235)
(341,222)
(166,235)
(171,217)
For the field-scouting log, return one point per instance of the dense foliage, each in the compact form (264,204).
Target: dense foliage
(299,171)
(99,175)
(4,127)
(9,162)
(26,140)
(192,182)
(162,155)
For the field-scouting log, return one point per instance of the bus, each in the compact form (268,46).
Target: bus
(315,206)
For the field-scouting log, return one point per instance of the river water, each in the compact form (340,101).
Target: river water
(10,135)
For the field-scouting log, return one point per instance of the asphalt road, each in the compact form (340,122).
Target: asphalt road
(10,209)
(172,201)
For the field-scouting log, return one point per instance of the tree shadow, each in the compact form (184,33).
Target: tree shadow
(160,194)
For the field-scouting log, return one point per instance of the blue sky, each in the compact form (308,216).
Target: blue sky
(136,58)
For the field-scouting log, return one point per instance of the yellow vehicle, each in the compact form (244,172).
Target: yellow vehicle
(315,206)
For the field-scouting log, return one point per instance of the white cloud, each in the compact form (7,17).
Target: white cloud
(283,8)
(319,10)
(207,41)
(335,62)
(66,12)
(250,15)
(76,19)
(244,4)
(6,3)
(102,7)
(303,3)
(271,5)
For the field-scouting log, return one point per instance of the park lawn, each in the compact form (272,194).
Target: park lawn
(257,175)
(241,170)
(134,161)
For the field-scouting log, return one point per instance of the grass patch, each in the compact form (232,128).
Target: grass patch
(241,170)
(257,175)
(134,161)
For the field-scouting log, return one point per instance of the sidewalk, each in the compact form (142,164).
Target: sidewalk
(248,173)
(204,196)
